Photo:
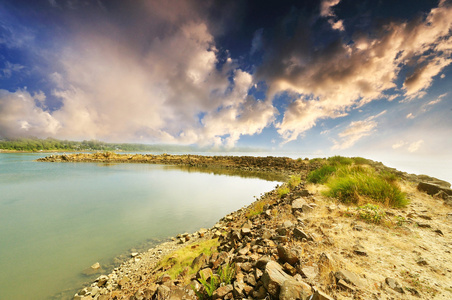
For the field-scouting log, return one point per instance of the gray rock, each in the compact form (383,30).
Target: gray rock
(309,272)
(306,208)
(300,234)
(102,280)
(274,277)
(432,188)
(238,289)
(349,277)
(222,291)
(292,289)
(162,292)
(319,295)
(288,255)
(262,262)
(287,224)
(297,204)
(394,285)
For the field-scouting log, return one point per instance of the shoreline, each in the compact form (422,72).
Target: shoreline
(139,277)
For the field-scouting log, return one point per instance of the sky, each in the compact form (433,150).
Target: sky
(345,77)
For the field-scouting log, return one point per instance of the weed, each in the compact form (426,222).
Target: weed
(400,221)
(224,276)
(294,181)
(283,191)
(371,213)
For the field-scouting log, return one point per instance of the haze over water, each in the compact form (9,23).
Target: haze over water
(58,219)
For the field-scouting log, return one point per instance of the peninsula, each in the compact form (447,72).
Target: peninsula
(338,228)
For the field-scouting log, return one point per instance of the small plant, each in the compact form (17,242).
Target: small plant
(226,273)
(224,276)
(371,213)
(283,191)
(294,181)
(360,161)
(400,221)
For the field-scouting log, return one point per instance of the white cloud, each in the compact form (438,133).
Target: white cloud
(410,116)
(399,144)
(413,147)
(19,116)
(356,131)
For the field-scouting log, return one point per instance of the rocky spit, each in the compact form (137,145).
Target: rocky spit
(301,246)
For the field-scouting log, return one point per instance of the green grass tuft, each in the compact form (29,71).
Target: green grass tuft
(321,174)
(340,160)
(353,183)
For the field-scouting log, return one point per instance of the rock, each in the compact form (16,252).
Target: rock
(297,204)
(95,266)
(244,250)
(246,231)
(133,254)
(319,295)
(292,289)
(309,272)
(238,289)
(205,273)
(289,269)
(222,291)
(394,285)
(343,285)
(262,263)
(287,224)
(432,188)
(422,262)
(102,280)
(423,225)
(123,280)
(449,216)
(359,250)
(300,234)
(162,292)
(274,277)
(288,255)
(306,208)
(200,260)
(349,277)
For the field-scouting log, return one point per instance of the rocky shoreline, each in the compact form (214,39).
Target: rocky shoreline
(300,245)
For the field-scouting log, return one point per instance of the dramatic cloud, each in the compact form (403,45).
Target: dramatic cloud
(347,75)
(356,131)
(19,116)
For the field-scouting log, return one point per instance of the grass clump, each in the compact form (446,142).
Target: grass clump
(294,181)
(339,160)
(352,184)
(283,191)
(321,174)
(176,262)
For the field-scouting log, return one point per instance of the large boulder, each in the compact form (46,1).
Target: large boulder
(432,188)
(292,289)
(274,277)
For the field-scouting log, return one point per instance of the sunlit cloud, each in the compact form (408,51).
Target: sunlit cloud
(344,77)
(413,147)
(410,116)
(356,131)
(399,144)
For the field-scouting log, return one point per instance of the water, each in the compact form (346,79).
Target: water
(57,219)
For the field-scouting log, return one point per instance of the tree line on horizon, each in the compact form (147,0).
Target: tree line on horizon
(35,144)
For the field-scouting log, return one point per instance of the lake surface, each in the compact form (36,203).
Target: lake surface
(57,219)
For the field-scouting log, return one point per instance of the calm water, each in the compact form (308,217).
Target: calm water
(57,219)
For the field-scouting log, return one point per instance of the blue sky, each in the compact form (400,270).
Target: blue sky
(368,78)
